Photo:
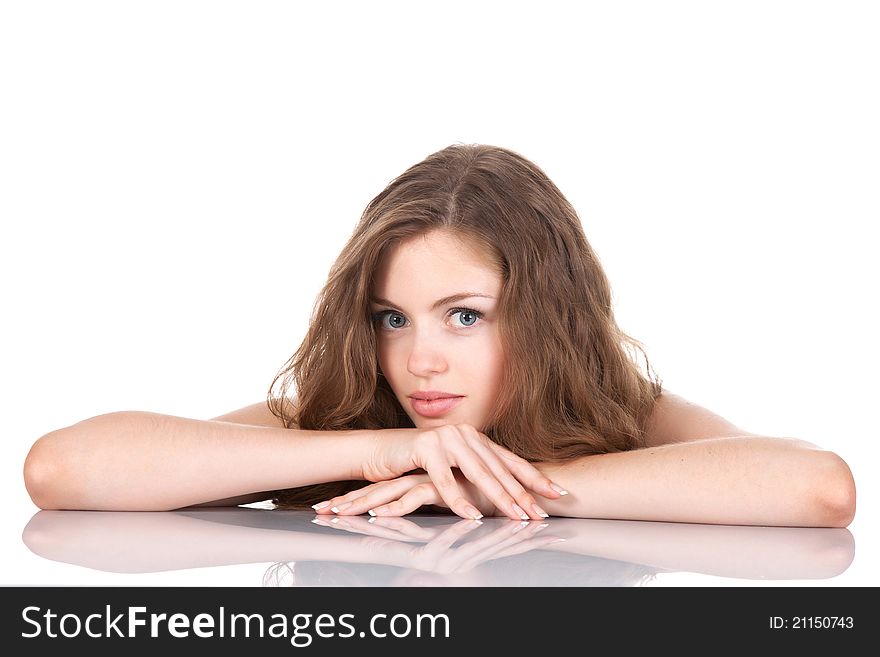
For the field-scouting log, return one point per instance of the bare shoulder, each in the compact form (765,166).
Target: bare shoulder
(258,414)
(677,420)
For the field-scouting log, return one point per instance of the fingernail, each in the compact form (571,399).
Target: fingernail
(541,526)
(372,513)
(371,519)
(559,489)
(540,511)
(517,509)
(473,513)
(320,505)
(340,507)
(321,521)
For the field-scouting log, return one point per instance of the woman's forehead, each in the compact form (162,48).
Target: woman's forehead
(435,265)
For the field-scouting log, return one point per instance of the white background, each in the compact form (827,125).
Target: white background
(176,179)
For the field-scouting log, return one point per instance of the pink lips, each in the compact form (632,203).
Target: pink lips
(432,403)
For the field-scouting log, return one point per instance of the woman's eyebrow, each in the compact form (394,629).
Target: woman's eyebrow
(452,298)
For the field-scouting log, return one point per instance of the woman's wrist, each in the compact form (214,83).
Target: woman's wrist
(387,453)
(341,455)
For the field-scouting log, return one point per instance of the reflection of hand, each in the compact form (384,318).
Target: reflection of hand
(395,529)
(403,495)
(437,554)
(137,542)
(501,476)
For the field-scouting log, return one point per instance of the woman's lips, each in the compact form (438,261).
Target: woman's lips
(434,407)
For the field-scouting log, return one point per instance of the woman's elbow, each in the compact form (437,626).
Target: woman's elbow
(838,497)
(42,474)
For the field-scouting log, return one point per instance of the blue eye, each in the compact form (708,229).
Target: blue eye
(467,316)
(395,320)
(390,320)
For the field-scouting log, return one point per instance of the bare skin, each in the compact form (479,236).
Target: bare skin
(434,306)
(113,462)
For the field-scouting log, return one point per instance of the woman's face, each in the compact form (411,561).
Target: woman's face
(434,307)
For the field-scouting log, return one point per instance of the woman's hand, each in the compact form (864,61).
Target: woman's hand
(408,493)
(498,474)
(404,495)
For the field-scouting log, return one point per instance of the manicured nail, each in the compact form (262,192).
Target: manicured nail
(473,513)
(517,509)
(340,507)
(540,511)
(372,513)
(559,489)
(320,505)
(371,519)
(541,526)
(321,521)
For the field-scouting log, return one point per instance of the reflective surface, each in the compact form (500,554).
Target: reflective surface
(301,549)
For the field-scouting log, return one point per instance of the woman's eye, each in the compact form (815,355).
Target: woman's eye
(467,317)
(390,320)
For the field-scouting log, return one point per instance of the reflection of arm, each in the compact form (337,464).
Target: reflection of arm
(734,480)
(154,542)
(151,542)
(720,550)
(141,461)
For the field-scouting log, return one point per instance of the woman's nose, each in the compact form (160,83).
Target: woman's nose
(426,357)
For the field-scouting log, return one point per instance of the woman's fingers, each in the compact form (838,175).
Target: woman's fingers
(364,499)
(527,473)
(454,446)
(498,478)
(440,470)
(498,475)
(439,450)
(518,503)
(479,474)
(403,495)
(424,493)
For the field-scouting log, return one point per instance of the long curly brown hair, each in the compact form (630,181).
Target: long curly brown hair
(573,385)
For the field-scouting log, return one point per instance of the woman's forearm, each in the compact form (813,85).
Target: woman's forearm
(738,481)
(140,461)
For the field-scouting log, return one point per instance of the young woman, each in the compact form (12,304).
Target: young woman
(463,355)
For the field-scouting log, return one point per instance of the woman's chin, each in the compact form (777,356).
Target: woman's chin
(434,422)
(428,423)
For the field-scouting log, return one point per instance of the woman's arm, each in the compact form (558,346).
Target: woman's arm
(697,467)
(700,467)
(139,461)
(736,480)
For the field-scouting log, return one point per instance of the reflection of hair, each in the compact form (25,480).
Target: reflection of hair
(535,568)
(571,386)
